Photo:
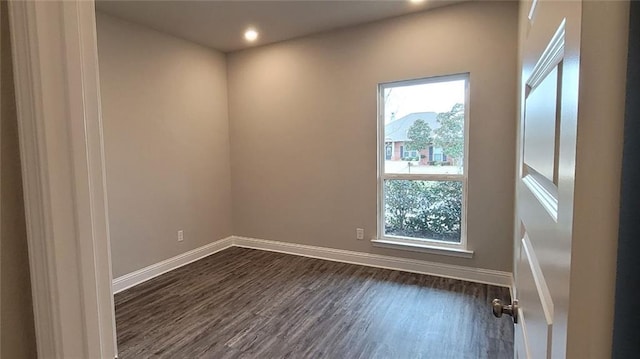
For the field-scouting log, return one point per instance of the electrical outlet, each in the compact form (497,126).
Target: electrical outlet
(180,235)
(359,233)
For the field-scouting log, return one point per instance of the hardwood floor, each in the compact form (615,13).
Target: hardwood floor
(243,303)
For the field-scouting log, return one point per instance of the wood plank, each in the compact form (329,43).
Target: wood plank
(256,304)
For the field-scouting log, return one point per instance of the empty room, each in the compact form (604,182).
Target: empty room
(312,179)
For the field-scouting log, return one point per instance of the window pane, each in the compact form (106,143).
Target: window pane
(424,126)
(423,209)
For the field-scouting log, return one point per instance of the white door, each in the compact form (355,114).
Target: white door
(549,50)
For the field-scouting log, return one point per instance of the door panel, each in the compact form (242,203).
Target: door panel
(549,53)
(532,290)
(540,126)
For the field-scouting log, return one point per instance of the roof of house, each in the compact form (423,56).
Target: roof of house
(397,130)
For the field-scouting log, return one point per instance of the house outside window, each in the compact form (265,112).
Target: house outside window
(422,185)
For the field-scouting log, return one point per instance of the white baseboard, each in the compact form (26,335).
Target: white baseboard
(129,280)
(478,275)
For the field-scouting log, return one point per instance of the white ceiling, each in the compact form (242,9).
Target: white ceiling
(221,24)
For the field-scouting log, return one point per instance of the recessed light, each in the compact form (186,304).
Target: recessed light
(251,35)
(416,1)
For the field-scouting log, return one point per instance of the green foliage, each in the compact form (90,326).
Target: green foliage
(401,201)
(420,135)
(450,135)
(423,209)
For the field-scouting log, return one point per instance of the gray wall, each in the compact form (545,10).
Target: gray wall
(164,103)
(303,127)
(17,334)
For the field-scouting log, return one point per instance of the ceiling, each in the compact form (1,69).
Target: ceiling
(221,24)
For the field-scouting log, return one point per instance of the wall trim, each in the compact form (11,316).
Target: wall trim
(142,275)
(477,275)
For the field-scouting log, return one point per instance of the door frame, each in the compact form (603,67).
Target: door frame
(1,14)
(59,118)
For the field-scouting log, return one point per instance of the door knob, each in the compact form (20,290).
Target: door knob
(511,309)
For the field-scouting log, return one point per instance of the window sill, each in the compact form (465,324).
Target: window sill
(424,248)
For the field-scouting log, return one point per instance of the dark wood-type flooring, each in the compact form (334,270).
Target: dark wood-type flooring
(243,303)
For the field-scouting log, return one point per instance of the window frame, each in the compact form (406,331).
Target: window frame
(409,242)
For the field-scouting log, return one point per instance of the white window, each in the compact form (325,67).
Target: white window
(424,202)
(437,154)
(411,154)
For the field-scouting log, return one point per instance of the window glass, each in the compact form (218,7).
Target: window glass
(423,174)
